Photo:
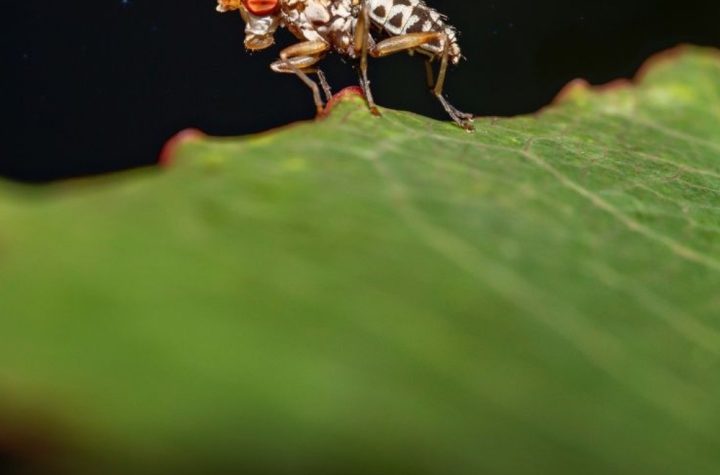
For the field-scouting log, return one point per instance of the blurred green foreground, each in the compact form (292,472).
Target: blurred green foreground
(364,296)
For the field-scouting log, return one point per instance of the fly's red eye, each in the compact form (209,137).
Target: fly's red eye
(262,7)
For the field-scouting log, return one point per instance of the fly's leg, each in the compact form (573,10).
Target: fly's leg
(324,84)
(430,74)
(412,41)
(362,43)
(463,119)
(298,59)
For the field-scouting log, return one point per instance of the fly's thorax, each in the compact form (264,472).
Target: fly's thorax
(331,21)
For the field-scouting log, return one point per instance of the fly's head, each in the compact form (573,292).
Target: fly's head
(262,19)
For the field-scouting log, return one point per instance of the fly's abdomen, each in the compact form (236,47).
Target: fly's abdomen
(399,17)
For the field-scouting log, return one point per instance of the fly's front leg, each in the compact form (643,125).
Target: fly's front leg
(362,44)
(412,41)
(299,59)
(324,84)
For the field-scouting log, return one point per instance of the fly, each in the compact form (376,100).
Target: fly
(357,29)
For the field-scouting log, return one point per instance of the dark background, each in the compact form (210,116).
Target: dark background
(90,86)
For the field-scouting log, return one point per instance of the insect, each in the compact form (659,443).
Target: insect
(355,28)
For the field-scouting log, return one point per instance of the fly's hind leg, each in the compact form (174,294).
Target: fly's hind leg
(298,59)
(412,41)
(463,119)
(429,74)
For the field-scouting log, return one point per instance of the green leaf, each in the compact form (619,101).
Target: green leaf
(392,295)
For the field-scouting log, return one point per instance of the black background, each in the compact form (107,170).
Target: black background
(90,86)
